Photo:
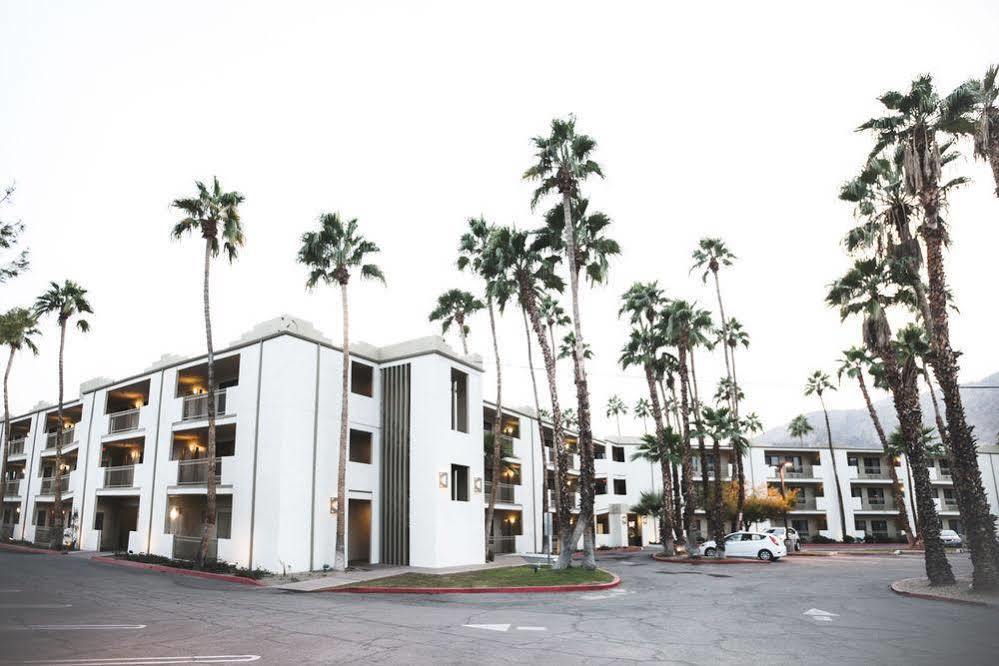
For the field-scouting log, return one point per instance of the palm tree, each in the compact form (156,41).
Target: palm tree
(18,329)
(331,254)
(453,307)
(799,427)
(987,136)
(852,364)
(615,408)
(563,162)
(545,537)
(650,503)
(65,301)
(10,235)
(817,384)
(643,411)
(472,249)
(718,424)
(711,254)
(215,214)
(914,121)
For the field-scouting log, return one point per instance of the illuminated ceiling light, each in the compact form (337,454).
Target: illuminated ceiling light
(442,479)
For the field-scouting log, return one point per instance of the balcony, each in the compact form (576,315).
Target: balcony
(504,493)
(186,547)
(195,407)
(195,472)
(877,473)
(867,504)
(948,504)
(553,498)
(12,488)
(48,485)
(506,447)
(805,504)
(122,476)
(16,447)
(68,437)
(726,470)
(125,421)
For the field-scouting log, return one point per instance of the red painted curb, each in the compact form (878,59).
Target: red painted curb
(579,587)
(183,572)
(710,560)
(28,549)
(933,597)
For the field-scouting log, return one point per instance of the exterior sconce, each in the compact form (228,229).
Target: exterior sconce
(174,513)
(334,506)
(442,479)
(624,519)
(477,485)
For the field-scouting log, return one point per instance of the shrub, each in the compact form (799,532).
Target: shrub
(849,539)
(818,538)
(217,566)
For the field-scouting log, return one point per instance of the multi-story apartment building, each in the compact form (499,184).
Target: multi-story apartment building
(135,469)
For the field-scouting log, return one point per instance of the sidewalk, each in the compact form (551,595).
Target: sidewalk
(319,581)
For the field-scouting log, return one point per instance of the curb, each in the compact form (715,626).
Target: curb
(174,570)
(28,549)
(933,597)
(697,561)
(578,587)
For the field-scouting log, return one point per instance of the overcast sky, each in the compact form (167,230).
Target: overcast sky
(735,120)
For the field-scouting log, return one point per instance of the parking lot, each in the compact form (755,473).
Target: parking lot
(69,610)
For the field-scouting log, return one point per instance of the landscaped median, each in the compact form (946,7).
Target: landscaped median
(958,593)
(497,580)
(213,570)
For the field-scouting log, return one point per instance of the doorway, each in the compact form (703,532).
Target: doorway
(359,531)
(114,518)
(634,529)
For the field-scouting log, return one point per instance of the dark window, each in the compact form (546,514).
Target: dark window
(953,524)
(40,517)
(600,486)
(459,483)
(362,379)
(599,452)
(459,401)
(603,523)
(360,446)
(99,521)
(853,461)
(620,487)
(618,453)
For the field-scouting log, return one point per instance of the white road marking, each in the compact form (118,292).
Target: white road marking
(532,628)
(820,615)
(9,591)
(14,606)
(489,627)
(144,661)
(80,627)
(617,592)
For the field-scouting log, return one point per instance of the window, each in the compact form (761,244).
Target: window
(360,446)
(223,523)
(801,526)
(620,487)
(853,461)
(599,452)
(603,523)
(618,453)
(600,486)
(856,492)
(879,527)
(362,379)
(876,495)
(99,521)
(40,517)
(860,525)
(459,483)
(459,400)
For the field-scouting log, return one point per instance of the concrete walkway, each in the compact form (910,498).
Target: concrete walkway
(322,581)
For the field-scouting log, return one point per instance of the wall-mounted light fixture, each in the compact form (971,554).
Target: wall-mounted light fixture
(442,479)
(174,513)
(477,484)
(334,506)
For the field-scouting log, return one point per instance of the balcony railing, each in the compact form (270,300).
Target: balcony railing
(16,447)
(186,547)
(872,473)
(504,493)
(123,421)
(48,485)
(949,503)
(503,544)
(804,504)
(13,487)
(945,473)
(553,498)
(726,470)
(506,447)
(68,437)
(195,472)
(195,407)
(122,476)
(867,504)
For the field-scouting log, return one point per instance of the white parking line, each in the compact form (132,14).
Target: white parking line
(532,629)
(144,661)
(15,606)
(79,627)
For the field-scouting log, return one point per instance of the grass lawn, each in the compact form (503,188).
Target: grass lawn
(519,576)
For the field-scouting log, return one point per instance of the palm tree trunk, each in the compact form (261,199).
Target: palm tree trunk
(584,526)
(686,463)
(917,531)
(541,440)
(941,428)
(666,518)
(6,429)
(563,505)
(976,515)
(718,529)
(702,451)
(208,530)
(835,467)
(56,535)
(733,400)
(497,443)
(461,331)
(896,484)
(339,548)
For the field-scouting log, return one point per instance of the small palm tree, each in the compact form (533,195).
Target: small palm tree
(454,307)
(331,254)
(817,384)
(214,213)
(799,427)
(615,408)
(65,301)
(18,330)
(643,411)
(650,503)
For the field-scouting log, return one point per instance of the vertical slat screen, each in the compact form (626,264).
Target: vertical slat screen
(394,471)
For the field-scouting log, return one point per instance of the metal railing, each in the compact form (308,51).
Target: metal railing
(506,447)
(553,498)
(48,485)
(947,502)
(68,437)
(16,447)
(123,421)
(876,505)
(196,406)
(804,504)
(195,472)
(504,493)
(872,473)
(13,487)
(186,547)
(503,544)
(43,534)
(122,476)
(945,472)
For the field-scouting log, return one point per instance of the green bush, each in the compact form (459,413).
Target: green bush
(217,566)
(818,538)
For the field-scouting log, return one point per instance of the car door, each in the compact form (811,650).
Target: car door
(734,544)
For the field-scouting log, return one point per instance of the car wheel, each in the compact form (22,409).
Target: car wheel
(765,555)
(709,552)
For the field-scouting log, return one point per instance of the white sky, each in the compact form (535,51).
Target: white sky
(733,121)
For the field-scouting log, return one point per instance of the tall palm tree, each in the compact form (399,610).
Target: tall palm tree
(643,410)
(65,301)
(10,236)
(472,249)
(563,162)
(799,427)
(454,307)
(711,254)
(615,408)
(214,213)
(853,363)
(987,135)
(545,537)
(18,330)
(914,122)
(331,254)
(719,425)
(817,384)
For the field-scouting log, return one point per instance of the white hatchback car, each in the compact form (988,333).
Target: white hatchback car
(951,538)
(792,541)
(748,544)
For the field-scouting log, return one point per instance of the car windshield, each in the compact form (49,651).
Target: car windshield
(948,533)
(775,530)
